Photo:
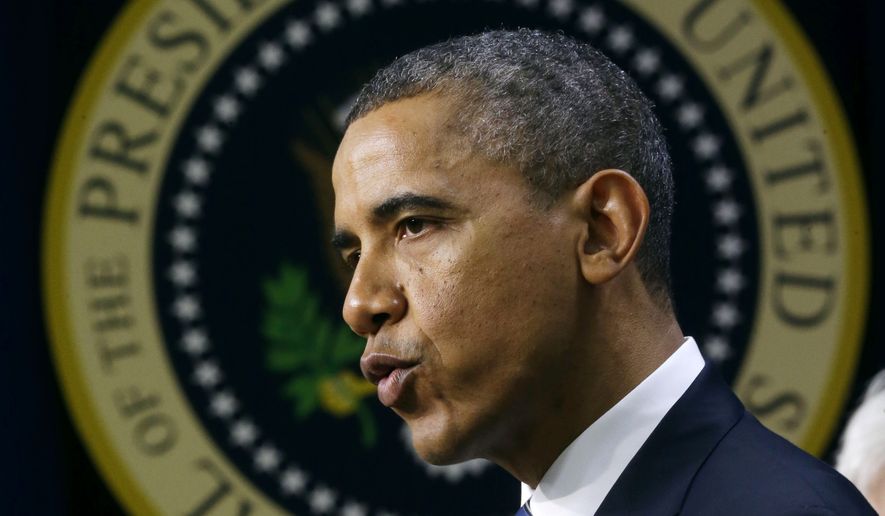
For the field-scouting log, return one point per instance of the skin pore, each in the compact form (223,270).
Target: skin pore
(526,322)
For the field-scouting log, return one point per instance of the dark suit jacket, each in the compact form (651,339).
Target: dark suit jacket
(711,457)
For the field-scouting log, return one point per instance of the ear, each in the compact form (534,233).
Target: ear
(614,211)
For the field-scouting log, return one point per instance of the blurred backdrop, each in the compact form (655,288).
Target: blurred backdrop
(171,334)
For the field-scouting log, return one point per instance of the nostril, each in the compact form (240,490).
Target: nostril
(379,319)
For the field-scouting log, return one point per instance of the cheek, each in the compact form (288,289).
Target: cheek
(489,305)
(437,286)
(456,292)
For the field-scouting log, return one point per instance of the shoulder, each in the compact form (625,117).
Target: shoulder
(754,471)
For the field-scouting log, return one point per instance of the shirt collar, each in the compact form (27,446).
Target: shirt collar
(582,475)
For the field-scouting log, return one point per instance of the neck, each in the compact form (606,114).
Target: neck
(597,373)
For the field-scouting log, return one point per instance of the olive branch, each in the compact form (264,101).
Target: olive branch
(315,353)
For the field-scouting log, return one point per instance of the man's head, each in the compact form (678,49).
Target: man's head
(861,457)
(555,108)
(481,201)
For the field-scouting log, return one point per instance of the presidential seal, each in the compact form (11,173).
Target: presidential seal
(194,304)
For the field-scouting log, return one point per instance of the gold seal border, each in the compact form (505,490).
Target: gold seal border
(112,468)
(853,205)
(133,495)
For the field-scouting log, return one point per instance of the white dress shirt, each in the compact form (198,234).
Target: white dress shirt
(580,478)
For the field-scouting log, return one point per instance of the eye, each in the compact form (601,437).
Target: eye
(352,259)
(413,227)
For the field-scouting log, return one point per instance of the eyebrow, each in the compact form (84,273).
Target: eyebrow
(388,209)
(392,206)
(343,239)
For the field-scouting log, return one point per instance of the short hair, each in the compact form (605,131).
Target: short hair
(554,107)
(861,457)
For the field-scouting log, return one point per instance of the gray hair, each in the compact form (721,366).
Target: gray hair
(861,457)
(556,108)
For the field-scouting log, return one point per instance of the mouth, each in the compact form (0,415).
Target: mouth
(389,373)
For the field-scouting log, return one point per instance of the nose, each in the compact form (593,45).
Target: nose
(372,301)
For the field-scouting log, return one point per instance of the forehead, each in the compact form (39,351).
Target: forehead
(403,146)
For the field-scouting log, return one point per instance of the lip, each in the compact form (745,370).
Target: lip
(391,374)
(392,386)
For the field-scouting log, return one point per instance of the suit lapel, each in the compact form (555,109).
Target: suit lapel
(656,480)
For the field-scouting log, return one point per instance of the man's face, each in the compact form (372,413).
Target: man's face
(466,291)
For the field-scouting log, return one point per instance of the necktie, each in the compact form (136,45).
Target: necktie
(524,510)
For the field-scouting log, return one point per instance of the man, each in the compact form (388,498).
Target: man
(504,201)
(861,456)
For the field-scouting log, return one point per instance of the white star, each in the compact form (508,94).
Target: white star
(327,16)
(267,458)
(243,433)
(183,239)
(187,308)
(293,481)
(620,39)
(725,315)
(647,61)
(209,138)
(719,178)
(187,204)
(248,81)
(527,3)
(726,211)
(227,108)
(353,509)
(271,56)
(717,348)
(592,20)
(731,246)
(182,273)
(561,9)
(322,499)
(196,170)
(670,87)
(690,115)
(194,341)
(207,374)
(298,34)
(224,404)
(730,281)
(706,145)
(359,7)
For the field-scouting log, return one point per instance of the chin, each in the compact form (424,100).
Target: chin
(439,444)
